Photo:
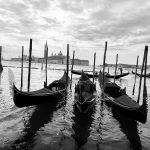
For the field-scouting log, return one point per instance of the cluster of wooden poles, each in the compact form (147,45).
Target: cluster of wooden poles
(144,67)
(46,56)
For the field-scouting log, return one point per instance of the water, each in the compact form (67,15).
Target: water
(61,127)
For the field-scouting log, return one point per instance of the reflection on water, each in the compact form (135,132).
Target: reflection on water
(129,127)
(81,126)
(41,115)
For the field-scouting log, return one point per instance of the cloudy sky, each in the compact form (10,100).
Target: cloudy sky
(84,24)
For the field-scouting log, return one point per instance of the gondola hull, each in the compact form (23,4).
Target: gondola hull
(87,105)
(85,94)
(117,76)
(48,94)
(138,114)
(115,97)
(96,75)
(24,99)
(77,72)
(147,75)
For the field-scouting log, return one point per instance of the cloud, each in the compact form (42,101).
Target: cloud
(41,5)
(83,23)
(71,6)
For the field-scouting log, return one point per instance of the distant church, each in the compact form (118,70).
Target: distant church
(56,59)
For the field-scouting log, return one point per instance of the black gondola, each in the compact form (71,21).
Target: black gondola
(117,76)
(147,75)
(48,94)
(85,93)
(96,75)
(116,97)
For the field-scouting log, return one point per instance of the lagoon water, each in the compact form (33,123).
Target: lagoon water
(60,127)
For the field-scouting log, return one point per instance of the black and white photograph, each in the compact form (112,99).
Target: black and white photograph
(74,75)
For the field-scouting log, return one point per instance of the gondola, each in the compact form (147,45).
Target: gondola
(77,72)
(85,93)
(48,94)
(116,97)
(147,75)
(117,76)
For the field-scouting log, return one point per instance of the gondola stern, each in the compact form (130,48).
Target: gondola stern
(143,110)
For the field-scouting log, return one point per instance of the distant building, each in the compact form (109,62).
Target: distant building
(55,59)
(16,59)
(25,58)
(81,62)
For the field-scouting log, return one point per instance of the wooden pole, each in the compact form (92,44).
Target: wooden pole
(94,66)
(116,67)
(29,69)
(135,75)
(138,100)
(1,67)
(145,88)
(46,56)
(67,65)
(104,61)
(22,68)
(108,69)
(72,67)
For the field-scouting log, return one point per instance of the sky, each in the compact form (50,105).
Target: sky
(83,24)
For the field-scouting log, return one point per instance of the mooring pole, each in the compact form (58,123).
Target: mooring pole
(46,56)
(29,69)
(22,68)
(138,100)
(94,66)
(104,61)
(144,85)
(116,67)
(67,65)
(1,67)
(135,75)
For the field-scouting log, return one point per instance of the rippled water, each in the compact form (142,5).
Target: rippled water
(62,127)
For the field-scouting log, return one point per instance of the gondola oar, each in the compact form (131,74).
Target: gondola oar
(135,76)
(104,59)
(94,66)
(72,68)
(22,68)
(141,77)
(116,67)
